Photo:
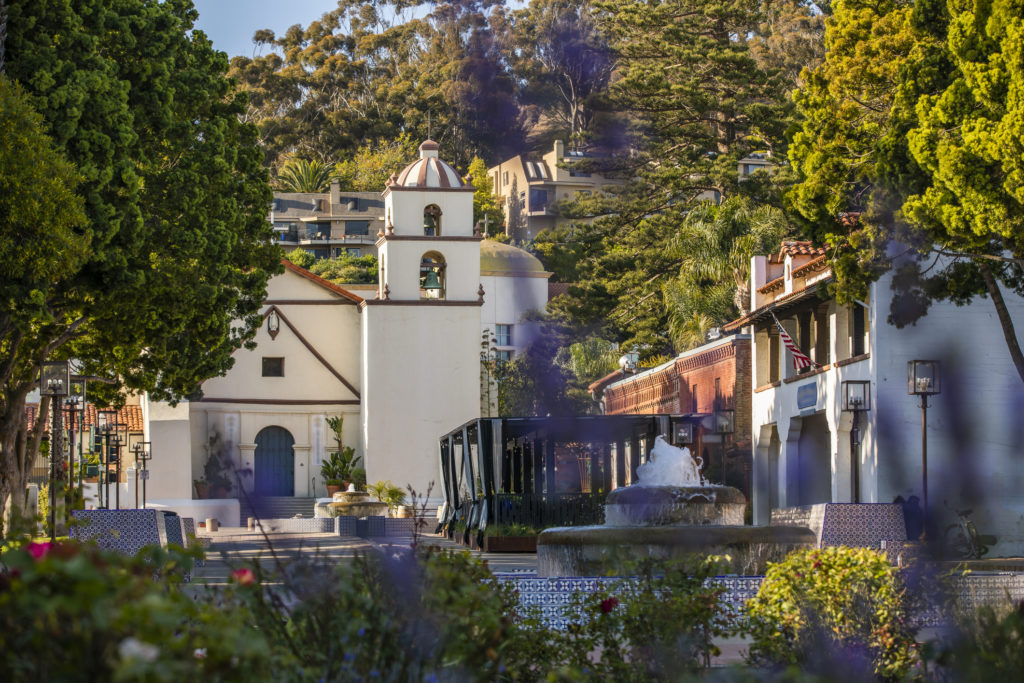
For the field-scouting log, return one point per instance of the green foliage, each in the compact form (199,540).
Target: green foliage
(370,167)
(847,603)
(339,467)
(511,529)
(910,123)
(175,204)
(387,492)
(985,646)
(485,204)
(345,269)
(342,465)
(218,468)
(589,360)
(71,612)
(300,175)
(301,257)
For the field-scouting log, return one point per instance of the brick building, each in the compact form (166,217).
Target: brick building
(703,387)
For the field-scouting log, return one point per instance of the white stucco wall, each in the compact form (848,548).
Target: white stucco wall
(405,207)
(421,375)
(506,299)
(975,426)
(168,430)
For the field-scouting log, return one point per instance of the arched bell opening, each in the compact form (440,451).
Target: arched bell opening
(432,276)
(432,221)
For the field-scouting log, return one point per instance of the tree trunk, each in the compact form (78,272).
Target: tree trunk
(18,448)
(1004,319)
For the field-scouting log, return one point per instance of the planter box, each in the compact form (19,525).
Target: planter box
(510,544)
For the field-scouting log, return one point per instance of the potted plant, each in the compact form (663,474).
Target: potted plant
(217,471)
(338,470)
(202,488)
(341,466)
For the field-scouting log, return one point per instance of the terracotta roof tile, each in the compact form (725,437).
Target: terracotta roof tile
(130,415)
(794,248)
(326,284)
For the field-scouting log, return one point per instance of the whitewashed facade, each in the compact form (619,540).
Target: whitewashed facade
(802,446)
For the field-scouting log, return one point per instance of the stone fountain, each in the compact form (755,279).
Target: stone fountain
(670,513)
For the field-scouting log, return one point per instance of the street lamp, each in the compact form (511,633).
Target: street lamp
(116,442)
(682,431)
(143,453)
(54,381)
(856,399)
(75,403)
(923,380)
(105,420)
(725,424)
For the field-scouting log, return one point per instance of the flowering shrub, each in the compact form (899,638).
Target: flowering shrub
(831,607)
(70,612)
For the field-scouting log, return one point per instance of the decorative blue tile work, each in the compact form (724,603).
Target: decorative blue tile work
(370,527)
(124,531)
(862,525)
(858,525)
(553,596)
(188,532)
(172,525)
(345,525)
(399,526)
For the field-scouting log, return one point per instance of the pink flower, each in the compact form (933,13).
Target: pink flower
(39,550)
(608,604)
(244,577)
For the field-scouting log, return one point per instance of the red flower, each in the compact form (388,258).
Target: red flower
(244,577)
(39,550)
(608,604)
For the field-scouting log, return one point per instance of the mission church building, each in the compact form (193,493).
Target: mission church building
(401,368)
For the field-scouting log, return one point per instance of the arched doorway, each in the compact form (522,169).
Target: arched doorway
(274,463)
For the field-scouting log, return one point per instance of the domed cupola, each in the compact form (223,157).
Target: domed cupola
(428,172)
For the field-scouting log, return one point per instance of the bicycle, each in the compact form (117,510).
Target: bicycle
(963,539)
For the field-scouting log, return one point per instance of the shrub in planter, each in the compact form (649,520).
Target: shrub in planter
(829,605)
(987,645)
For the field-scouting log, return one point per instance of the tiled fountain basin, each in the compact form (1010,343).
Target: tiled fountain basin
(603,550)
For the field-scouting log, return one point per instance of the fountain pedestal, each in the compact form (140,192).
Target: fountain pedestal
(671,514)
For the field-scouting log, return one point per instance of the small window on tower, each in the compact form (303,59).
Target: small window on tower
(273,367)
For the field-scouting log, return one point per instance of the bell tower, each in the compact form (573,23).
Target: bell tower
(421,335)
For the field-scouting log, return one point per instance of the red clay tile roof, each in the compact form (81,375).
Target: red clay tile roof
(600,384)
(794,248)
(812,266)
(326,284)
(130,415)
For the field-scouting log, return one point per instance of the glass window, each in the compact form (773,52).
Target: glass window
(538,199)
(357,227)
(503,335)
(353,251)
(503,355)
(273,367)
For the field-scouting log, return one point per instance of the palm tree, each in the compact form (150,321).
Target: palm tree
(715,245)
(299,175)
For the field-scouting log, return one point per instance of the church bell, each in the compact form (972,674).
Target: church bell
(431,281)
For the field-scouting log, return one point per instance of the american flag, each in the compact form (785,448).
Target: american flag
(800,359)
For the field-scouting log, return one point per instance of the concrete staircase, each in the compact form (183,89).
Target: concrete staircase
(276,507)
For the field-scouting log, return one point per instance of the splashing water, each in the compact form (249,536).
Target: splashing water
(668,465)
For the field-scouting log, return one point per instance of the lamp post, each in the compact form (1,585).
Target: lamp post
(725,424)
(682,431)
(54,381)
(116,442)
(105,420)
(75,403)
(923,381)
(143,453)
(856,399)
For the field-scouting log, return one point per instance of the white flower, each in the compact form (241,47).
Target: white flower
(200,653)
(133,648)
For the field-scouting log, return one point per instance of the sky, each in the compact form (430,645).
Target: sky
(231,23)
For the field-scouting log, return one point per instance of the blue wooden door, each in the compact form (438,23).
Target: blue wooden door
(275,462)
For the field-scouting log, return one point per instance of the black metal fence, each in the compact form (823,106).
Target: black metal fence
(540,510)
(540,472)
